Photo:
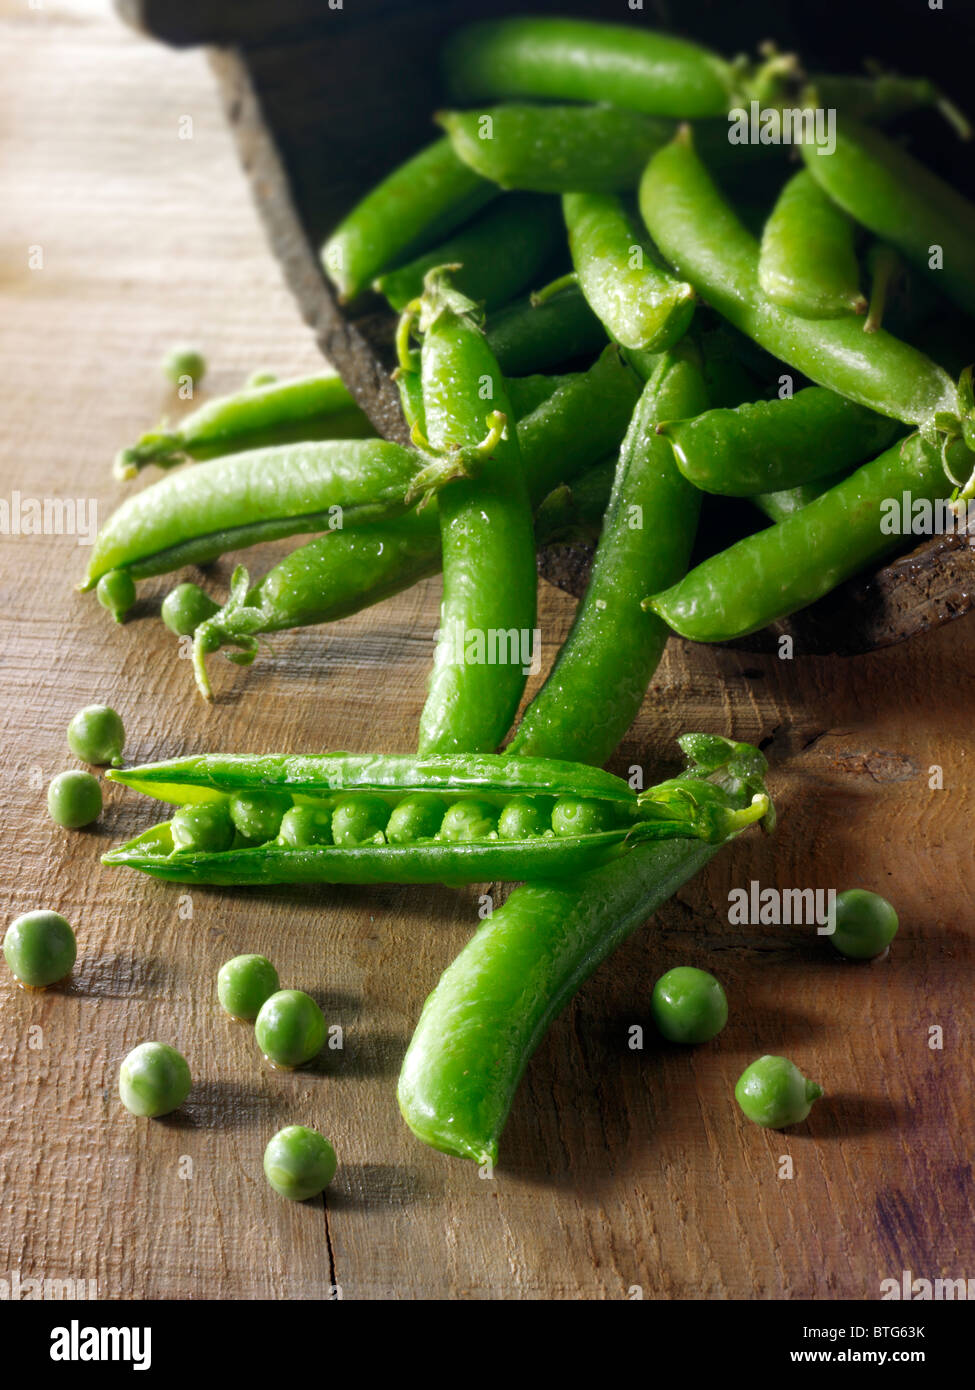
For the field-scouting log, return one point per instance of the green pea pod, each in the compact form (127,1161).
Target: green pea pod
(575,511)
(807,261)
(497,255)
(786,567)
(194,516)
(779,506)
(282,412)
(700,235)
(334,785)
(640,303)
(413,208)
(883,96)
(487,620)
(535,337)
(494,1004)
(556,149)
(601,674)
(765,446)
(897,198)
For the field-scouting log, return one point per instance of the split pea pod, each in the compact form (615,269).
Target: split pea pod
(413,208)
(281,412)
(640,303)
(765,446)
(786,567)
(700,235)
(495,1002)
(348,818)
(601,674)
(807,261)
(195,515)
(497,255)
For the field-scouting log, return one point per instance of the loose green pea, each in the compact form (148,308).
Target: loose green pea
(574,815)
(154,1079)
(304,826)
(864,924)
(186,607)
(245,984)
(469,819)
(257,815)
(417,817)
(206,827)
(116,592)
(290,1028)
(74,799)
(184,361)
(689,1005)
(523,819)
(96,735)
(299,1163)
(40,948)
(774,1093)
(359,820)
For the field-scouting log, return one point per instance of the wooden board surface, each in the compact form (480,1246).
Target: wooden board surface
(619,1168)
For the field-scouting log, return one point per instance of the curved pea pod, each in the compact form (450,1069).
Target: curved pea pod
(556,149)
(883,95)
(494,1004)
(640,303)
(194,516)
(765,446)
(779,506)
(486,784)
(535,337)
(785,567)
(281,412)
(807,261)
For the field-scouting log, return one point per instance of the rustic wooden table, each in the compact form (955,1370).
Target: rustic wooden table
(622,1171)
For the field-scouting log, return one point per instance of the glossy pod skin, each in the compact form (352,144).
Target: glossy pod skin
(807,261)
(556,149)
(195,515)
(497,255)
(581,60)
(601,674)
(703,239)
(766,446)
(640,303)
(494,1004)
(528,337)
(281,412)
(348,818)
(413,208)
(898,199)
(486,534)
(786,567)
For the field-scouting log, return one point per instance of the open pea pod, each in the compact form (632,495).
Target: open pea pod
(354,818)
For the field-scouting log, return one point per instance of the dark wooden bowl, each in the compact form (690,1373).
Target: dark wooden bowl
(323,102)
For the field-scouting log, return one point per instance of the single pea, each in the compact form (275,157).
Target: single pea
(260,377)
(258,814)
(186,607)
(523,819)
(469,819)
(184,361)
(417,817)
(96,735)
(116,592)
(774,1093)
(290,1028)
(863,924)
(74,799)
(205,827)
(688,1005)
(304,826)
(299,1163)
(574,815)
(244,984)
(40,948)
(359,820)
(154,1079)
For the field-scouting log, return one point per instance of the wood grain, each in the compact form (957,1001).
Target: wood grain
(619,1168)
